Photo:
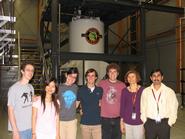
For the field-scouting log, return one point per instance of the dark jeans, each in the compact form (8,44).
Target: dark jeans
(111,128)
(154,130)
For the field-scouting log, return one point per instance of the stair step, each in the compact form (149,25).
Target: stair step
(30,53)
(37,84)
(37,89)
(26,57)
(36,79)
(38,70)
(37,93)
(34,62)
(29,49)
(37,75)
(30,58)
(38,67)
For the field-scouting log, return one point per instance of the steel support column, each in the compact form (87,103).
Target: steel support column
(143,43)
(106,32)
(54,39)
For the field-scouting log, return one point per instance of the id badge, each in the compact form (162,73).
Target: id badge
(158,119)
(133,116)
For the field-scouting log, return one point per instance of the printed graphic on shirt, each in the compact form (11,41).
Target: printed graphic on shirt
(111,95)
(69,98)
(26,97)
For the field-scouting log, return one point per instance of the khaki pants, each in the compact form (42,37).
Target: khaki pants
(134,131)
(89,131)
(68,129)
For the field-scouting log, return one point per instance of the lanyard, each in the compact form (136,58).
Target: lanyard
(134,101)
(157,100)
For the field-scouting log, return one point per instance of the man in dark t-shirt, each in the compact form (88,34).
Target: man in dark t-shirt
(67,96)
(89,96)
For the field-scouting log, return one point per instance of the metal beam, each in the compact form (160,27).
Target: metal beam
(99,57)
(163,8)
(118,2)
(137,4)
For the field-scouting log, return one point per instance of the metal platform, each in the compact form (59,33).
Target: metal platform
(109,11)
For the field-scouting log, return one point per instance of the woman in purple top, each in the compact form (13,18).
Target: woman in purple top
(130,107)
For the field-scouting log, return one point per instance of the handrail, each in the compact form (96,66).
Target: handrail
(1,53)
(19,55)
(47,64)
(46,70)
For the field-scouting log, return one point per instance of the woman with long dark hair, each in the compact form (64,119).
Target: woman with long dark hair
(45,113)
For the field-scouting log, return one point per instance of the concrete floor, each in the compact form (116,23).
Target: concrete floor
(177,132)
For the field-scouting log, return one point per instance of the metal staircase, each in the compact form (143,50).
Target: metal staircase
(8,70)
(32,54)
(7,32)
(13,54)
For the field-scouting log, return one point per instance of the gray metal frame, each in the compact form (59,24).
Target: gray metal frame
(142,6)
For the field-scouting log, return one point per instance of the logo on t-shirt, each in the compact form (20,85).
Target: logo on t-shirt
(111,95)
(69,98)
(26,97)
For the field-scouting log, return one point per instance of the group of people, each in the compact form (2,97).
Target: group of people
(109,108)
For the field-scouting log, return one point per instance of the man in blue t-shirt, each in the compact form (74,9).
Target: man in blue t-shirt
(67,96)
(89,96)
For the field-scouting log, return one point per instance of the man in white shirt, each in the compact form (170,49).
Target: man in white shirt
(158,108)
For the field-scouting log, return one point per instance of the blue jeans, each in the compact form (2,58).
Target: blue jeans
(26,134)
(111,128)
